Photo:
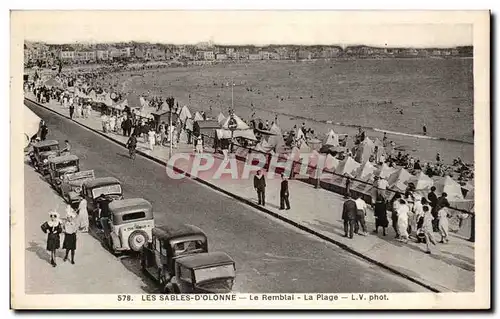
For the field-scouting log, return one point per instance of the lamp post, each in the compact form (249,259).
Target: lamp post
(232,125)
(170,103)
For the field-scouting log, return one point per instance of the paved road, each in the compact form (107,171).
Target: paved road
(270,256)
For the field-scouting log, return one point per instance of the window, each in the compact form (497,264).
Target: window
(157,244)
(107,190)
(164,250)
(132,216)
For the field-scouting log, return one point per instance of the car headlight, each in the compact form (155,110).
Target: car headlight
(78,189)
(45,161)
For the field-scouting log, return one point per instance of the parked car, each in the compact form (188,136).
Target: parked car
(59,166)
(131,222)
(93,189)
(178,259)
(71,185)
(41,153)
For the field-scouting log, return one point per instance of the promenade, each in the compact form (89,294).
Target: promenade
(318,211)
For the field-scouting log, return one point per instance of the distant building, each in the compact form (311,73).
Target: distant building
(208,56)
(304,55)
(329,53)
(274,56)
(157,54)
(221,56)
(265,55)
(84,56)
(254,57)
(410,52)
(139,53)
(102,55)
(455,52)
(67,55)
(436,52)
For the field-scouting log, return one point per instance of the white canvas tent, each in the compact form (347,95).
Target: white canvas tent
(185,114)
(384,171)
(364,151)
(449,186)
(421,181)
(365,171)
(197,116)
(332,139)
(347,166)
(221,118)
(401,175)
(242,129)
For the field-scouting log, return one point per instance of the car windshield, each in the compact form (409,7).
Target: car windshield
(48,148)
(107,190)
(210,273)
(187,247)
(66,164)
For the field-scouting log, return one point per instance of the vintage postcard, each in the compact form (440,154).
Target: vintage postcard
(250,160)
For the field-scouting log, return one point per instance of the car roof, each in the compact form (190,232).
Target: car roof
(205,260)
(46,143)
(62,159)
(176,230)
(100,181)
(126,205)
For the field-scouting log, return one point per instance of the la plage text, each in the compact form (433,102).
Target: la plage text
(267,297)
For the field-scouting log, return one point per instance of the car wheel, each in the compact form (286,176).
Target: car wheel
(137,239)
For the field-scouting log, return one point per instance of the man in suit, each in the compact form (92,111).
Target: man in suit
(284,195)
(259,183)
(349,213)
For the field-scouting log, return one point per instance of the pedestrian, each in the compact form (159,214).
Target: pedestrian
(53,229)
(403,214)
(83,216)
(70,228)
(433,199)
(43,132)
(259,183)
(71,111)
(380,213)
(347,186)
(127,126)
(443,224)
(199,145)
(360,215)
(67,147)
(442,201)
(349,212)
(394,216)
(284,194)
(427,227)
(151,138)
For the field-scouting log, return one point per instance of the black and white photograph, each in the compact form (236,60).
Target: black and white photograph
(250,160)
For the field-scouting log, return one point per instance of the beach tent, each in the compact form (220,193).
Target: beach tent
(197,116)
(449,186)
(378,142)
(263,146)
(470,194)
(304,148)
(384,171)
(133,101)
(347,166)
(242,129)
(332,139)
(401,175)
(421,181)
(221,118)
(276,139)
(184,114)
(53,82)
(331,163)
(364,151)
(31,124)
(143,102)
(365,171)
(314,144)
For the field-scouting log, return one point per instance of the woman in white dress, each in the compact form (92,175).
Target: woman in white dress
(112,123)
(403,214)
(151,138)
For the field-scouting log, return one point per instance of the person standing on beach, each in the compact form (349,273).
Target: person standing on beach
(380,213)
(403,215)
(71,111)
(349,212)
(151,138)
(427,228)
(395,204)
(259,184)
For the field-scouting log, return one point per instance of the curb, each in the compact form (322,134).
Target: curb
(256,206)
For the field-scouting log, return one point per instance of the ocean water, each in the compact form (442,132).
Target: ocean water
(398,95)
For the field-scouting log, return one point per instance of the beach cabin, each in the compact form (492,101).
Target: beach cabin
(163,116)
(206,128)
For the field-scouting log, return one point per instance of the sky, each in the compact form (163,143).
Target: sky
(243,27)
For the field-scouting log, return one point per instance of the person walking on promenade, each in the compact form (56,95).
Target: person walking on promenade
(347,186)
(284,194)
(427,227)
(259,183)
(127,126)
(403,214)
(83,215)
(441,202)
(70,227)
(44,130)
(380,213)
(349,212)
(443,224)
(432,197)
(151,138)
(360,214)
(199,145)
(53,229)
(71,111)
(394,216)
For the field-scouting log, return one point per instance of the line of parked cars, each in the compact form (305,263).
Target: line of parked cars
(175,256)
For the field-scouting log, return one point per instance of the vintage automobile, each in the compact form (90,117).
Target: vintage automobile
(59,166)
(178,259)
(130,224)
(93,189)
(41,153)
(71,185)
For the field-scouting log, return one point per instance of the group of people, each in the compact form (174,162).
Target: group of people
(54,227)
(259,184)
(411,215)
